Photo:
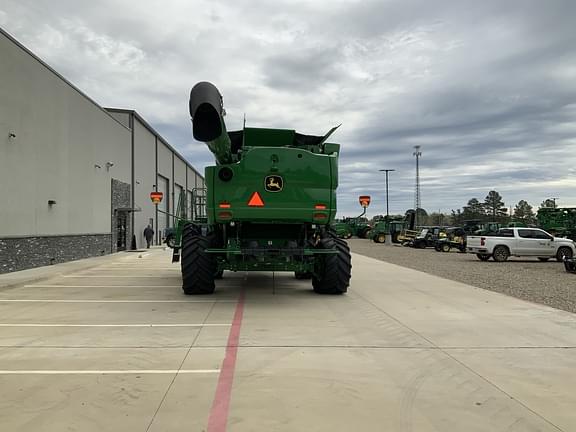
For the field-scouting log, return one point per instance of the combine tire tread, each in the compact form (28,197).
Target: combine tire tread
(198,268)
(337,268)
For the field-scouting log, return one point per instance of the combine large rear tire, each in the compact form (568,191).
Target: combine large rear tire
(333,271)
(198,267)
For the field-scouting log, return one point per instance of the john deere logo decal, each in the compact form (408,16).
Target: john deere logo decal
(274,183)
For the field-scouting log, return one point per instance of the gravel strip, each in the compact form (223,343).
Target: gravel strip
(524,278)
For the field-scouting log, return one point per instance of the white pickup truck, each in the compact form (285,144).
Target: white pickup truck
(520,242)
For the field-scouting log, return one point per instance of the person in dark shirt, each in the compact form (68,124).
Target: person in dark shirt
(148,235)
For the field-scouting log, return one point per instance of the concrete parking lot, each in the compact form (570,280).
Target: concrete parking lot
(117,346)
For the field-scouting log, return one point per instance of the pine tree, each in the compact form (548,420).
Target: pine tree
(548,203)
(495,206)
(523,212)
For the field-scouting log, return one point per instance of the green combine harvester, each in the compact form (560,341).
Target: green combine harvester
(270,202)
(559,221)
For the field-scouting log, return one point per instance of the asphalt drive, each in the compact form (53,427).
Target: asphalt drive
(117,346)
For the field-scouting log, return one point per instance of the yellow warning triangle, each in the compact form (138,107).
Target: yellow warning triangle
(255,200)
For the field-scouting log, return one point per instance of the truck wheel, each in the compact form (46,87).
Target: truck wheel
(483,257)
(171,241)
(367,233)
(500,253)
(332,273)
(395,238)
(563,252)
(380,238)
(198,267)
(445,247)
(303,275)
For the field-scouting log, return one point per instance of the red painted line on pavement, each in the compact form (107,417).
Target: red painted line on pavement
(221,405)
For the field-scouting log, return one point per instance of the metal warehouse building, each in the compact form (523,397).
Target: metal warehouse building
(75,178)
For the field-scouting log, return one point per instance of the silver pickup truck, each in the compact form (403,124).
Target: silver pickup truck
(520,242)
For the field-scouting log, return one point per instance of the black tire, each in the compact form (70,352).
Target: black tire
(500,253)
(421,244)
(380,238)
(332,272)
(445,247)
(198,267)
(543,259)
(483,257)
(570,265)
(219,275)
(563,252)
(171,241)
(366,234)
(395,238)
(303,275)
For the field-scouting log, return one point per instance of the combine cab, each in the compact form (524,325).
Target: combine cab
(270,204)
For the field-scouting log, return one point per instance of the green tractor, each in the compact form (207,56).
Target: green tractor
(270,204)
(359,226)
(392,226)
(342,229)
(352,226)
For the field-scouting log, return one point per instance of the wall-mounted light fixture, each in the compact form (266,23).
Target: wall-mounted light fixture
(51,202)
(11,136)
(109,165)
(97,166)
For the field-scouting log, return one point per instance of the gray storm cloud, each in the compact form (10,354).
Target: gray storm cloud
(486,88)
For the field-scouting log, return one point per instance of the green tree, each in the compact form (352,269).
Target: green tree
(456,218)
(474,210)
(548,203)
(495,207)
(523,212)
(437,219)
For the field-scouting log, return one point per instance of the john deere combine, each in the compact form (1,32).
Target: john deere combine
(270,202)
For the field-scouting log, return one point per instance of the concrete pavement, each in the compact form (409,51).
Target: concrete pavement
(117,346)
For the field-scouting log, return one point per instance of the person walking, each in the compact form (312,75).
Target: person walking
(148,235)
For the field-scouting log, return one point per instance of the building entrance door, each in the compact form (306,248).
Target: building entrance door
(121,221)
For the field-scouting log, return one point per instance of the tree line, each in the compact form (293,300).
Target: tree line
(492,209)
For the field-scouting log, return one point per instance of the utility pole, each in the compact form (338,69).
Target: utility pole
(554,199)
(387,207)
(417,202)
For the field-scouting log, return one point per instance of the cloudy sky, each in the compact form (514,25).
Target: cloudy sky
(488,89)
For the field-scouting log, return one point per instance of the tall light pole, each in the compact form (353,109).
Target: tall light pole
(387,207)
(417,203)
